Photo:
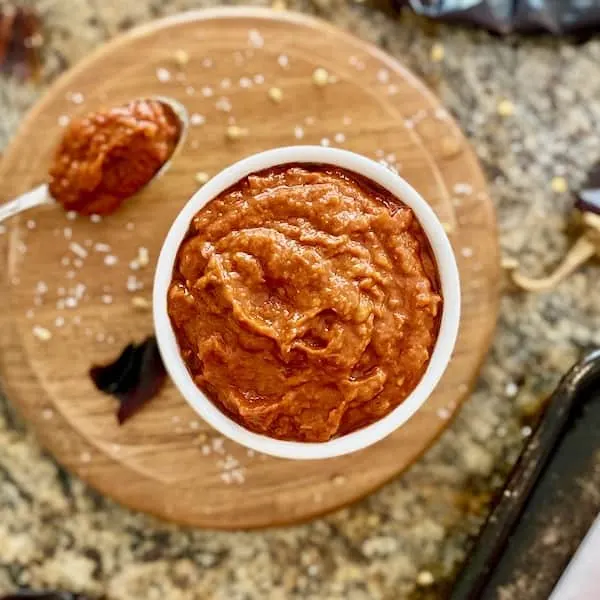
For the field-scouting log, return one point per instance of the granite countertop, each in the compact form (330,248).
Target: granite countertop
(407,540)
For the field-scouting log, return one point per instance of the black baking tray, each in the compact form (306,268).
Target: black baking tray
(549,502)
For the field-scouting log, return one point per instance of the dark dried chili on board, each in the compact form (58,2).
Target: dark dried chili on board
(134,378)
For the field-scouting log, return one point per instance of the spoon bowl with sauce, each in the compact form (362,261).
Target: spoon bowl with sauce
(106,157)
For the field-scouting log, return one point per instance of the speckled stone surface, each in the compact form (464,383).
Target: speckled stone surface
(56,532)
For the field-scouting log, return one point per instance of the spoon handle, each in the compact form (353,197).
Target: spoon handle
(35,197)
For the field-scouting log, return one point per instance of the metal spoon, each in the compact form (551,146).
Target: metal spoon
(41,195)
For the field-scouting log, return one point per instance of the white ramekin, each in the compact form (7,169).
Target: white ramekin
(442,352)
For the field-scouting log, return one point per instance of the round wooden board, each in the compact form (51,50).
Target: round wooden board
(164,460)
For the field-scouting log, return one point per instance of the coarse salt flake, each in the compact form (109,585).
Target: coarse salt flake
(163,75)
(197,119)
(223,104)
(463,189)
(78,249)
(298,132)
(255,38)
(110,260)
(383,76)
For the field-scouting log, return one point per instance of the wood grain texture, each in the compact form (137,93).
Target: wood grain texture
(165,460)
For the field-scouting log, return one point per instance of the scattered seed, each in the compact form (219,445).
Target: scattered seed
(275,94)
(235,133)
(110,260)
(437,52)
(425,579)
(559,185)
(181,57)
(143,256)
(202,177)
(450,146)
(140,303)
(320,77)
(505,108)
(41,333)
